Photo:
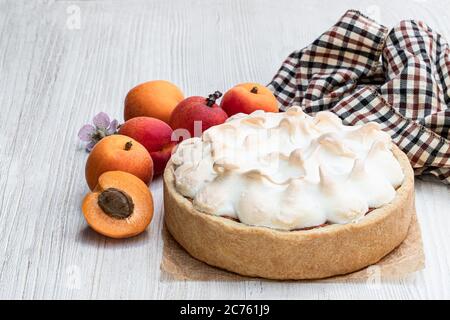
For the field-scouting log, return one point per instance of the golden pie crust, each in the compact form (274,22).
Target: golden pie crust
(304,254)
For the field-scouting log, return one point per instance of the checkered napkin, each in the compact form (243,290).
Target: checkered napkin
(363,72)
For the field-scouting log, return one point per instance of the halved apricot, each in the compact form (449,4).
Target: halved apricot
(121,205)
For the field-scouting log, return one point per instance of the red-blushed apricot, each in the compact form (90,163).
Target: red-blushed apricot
(248,97)
(155,135)
(121,205)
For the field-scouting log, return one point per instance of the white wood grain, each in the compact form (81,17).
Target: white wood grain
(54,79)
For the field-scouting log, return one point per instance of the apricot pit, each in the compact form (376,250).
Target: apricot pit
(116,203)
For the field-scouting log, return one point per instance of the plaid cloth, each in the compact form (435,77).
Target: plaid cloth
(362,72)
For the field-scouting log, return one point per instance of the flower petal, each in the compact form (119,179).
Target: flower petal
(101,120)
(113,127)
(86,132)
(90,146)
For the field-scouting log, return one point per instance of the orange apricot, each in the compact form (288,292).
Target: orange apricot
(155,99)
(121,205)
(118,152)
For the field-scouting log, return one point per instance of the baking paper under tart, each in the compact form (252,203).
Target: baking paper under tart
(305,254)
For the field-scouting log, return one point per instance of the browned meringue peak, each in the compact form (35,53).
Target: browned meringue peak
(296,158)
(223,165)
(295,111)
(255,121)
(326,183)
(288,170)
(327,121)
(291,127)
(334,144)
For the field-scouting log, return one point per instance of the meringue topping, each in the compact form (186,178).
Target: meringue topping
(288,170)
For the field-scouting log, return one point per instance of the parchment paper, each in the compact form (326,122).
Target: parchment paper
(409,257)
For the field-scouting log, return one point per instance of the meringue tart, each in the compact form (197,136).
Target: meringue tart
(289,196)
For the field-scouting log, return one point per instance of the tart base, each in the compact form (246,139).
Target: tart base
(290,255)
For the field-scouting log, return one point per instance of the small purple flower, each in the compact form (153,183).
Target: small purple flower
(94,133)
(90,146)
(113,127)
(86,132)
(101,120)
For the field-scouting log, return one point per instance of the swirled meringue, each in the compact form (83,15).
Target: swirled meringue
(288,170)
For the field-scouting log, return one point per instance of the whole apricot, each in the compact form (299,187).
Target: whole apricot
(248,97)
(118,153)
(155,99)
(121,205)
(155,135)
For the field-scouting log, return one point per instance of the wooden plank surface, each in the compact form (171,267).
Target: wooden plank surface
(56,73)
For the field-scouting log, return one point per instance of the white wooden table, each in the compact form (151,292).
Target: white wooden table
(61,62)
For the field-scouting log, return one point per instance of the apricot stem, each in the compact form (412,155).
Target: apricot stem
(116,203)
(254,90)
(212,98)
(128,145)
